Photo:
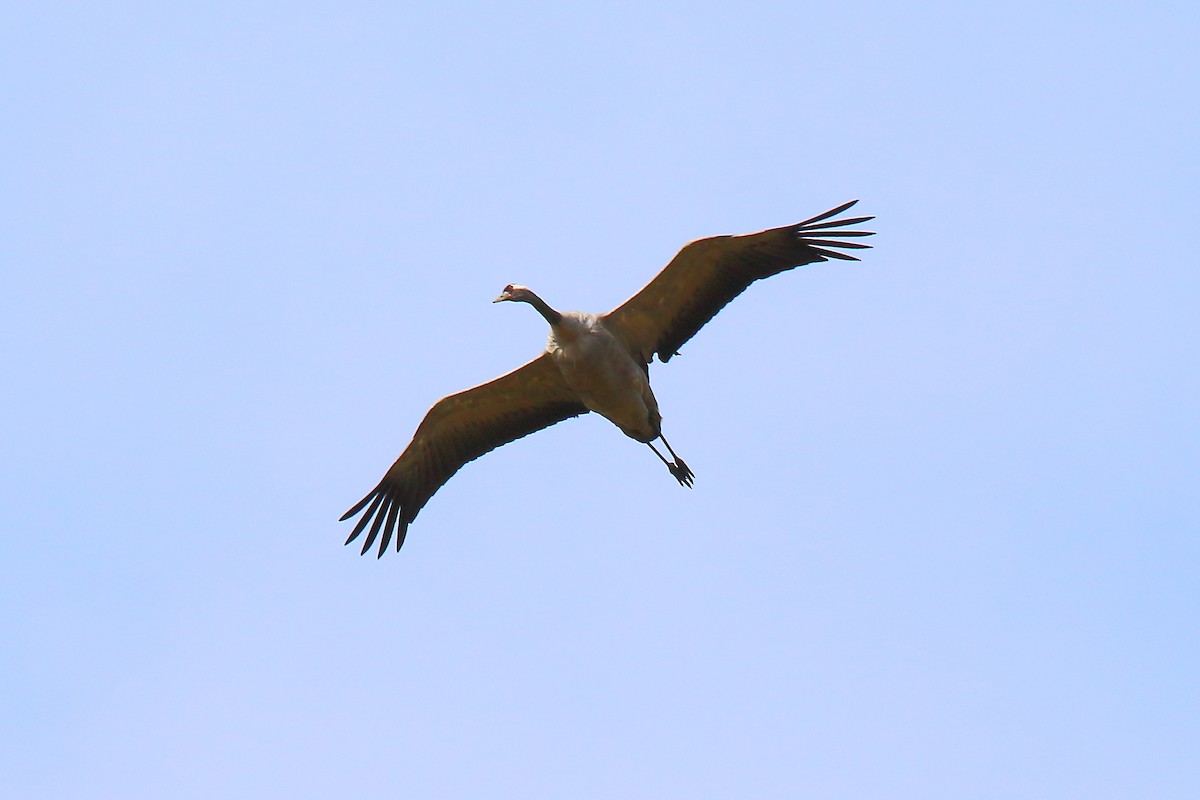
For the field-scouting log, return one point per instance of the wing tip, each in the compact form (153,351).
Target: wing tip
(817,222)
(383,515)
(357,507)
(827,214)
(400,531)
(812,230)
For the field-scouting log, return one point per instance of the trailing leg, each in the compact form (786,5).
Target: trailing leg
(680,470)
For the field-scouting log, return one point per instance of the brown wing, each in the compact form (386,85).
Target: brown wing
(708,273)
(458,429)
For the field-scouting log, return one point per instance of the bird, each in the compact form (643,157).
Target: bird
(594,362)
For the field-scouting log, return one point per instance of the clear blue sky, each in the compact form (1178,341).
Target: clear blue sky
(944,540)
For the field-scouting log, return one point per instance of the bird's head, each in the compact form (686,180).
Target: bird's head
(514,292)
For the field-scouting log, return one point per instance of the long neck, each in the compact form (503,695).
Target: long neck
(552,316)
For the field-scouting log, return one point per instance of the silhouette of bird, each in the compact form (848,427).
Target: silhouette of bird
(594,362)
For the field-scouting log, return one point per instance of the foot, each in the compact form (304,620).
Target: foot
(681,472)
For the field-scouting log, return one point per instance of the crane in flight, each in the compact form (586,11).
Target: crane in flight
(594,362)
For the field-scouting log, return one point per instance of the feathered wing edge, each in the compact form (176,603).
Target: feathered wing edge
(457,430)
(805,231)
(815,226)
(709,273)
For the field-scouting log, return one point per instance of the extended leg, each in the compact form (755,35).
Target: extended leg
(679,469)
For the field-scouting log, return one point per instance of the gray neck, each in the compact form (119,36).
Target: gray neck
(551,316)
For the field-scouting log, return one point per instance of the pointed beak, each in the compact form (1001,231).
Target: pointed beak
(503,297)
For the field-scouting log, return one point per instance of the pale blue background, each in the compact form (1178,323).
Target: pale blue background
(944,540)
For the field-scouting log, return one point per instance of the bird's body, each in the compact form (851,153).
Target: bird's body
(593,362)
(598,368)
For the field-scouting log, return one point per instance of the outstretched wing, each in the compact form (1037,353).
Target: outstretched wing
(458,429)
(708,273)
